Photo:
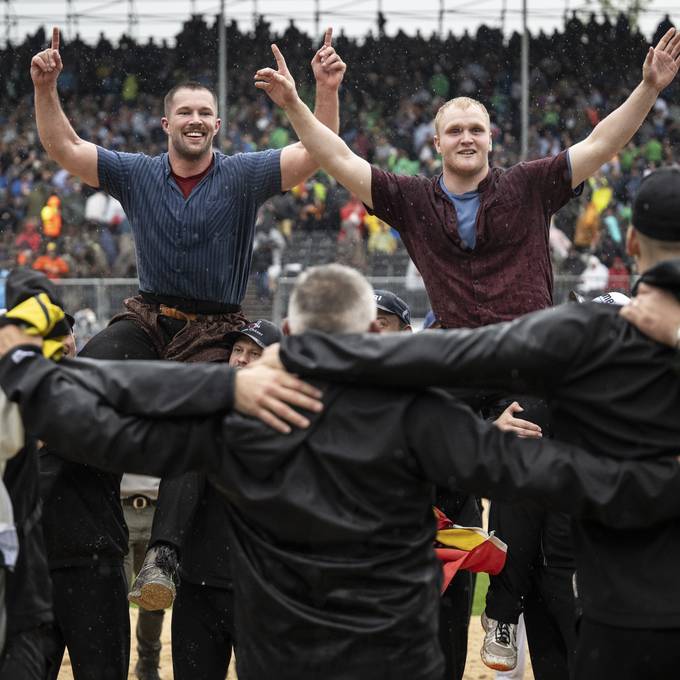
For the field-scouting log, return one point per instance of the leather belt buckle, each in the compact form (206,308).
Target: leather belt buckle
(140,502)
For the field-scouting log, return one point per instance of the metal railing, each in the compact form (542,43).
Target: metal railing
(416,298)
(105,296)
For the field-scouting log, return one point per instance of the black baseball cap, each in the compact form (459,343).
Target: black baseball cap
(657,205)
(261,332)
(389,302)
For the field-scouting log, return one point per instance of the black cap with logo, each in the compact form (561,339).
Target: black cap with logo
(389,302)
(261,332)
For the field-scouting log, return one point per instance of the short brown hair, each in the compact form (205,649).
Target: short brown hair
(461,103)
(186,85)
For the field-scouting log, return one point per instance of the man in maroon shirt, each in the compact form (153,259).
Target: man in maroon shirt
(493,264)
(479,235)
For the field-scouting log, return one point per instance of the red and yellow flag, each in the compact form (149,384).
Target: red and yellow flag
(469,548)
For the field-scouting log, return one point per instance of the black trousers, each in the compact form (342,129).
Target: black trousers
(178,499)
(202,632)
(125,340)
(454,620)
(550,618)
(121,340)
(26,654)
(520,526)
(608,652)
(92,620)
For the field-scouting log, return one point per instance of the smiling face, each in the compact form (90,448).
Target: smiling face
(463,138)
(191,124)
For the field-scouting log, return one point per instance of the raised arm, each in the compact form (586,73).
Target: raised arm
(58,137)
(321,142)
(617,129)
(296,162)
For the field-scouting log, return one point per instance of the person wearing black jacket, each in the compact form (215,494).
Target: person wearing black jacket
(28,593)
(610,389)
(331,526)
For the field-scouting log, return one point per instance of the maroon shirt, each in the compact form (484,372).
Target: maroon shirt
(509,272)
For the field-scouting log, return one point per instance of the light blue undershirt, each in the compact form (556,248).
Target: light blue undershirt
(467,207)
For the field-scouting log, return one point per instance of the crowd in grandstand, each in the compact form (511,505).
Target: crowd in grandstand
(113,95)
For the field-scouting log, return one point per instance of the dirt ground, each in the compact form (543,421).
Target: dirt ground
(475,669)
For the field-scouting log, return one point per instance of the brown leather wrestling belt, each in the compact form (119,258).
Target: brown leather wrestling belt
(176,313)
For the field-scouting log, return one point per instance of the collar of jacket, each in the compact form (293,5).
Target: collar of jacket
(664,275)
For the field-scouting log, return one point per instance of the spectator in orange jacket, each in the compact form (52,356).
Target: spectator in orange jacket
(51,264)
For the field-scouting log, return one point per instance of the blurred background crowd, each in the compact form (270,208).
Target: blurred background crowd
(393,88)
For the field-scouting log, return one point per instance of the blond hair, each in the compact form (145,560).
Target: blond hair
(461,103)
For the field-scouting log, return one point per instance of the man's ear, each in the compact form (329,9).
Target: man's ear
(490,143)
(164,124)
(285,327)
(435,139)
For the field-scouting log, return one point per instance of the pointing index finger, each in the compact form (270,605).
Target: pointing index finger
(328,37)
(280,61)
(55,38)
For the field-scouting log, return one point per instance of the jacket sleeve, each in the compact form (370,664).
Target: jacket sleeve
(527,355)
(156,388)
(457,449)
(85,427)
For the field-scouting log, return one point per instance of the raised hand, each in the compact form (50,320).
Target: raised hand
(328,68)
(663,61)
(279,84)
(47,65)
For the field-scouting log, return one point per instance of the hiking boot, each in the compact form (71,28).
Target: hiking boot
(154,587)
(146,671)
(499,650)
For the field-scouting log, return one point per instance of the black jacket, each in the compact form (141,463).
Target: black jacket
(611,390)
(29,592)
(331,527)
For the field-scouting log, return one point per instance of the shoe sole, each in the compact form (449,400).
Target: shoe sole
(498,665)
(152,597)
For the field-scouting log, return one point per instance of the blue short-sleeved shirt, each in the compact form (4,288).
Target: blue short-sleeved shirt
(197,248)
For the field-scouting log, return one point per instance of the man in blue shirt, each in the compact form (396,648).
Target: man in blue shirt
(192,212)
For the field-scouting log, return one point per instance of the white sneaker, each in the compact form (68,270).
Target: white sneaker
(499,650)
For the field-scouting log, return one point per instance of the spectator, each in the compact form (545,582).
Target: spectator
(29,237)
(51,263)
(50,215)
(619,277)
(382,240)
